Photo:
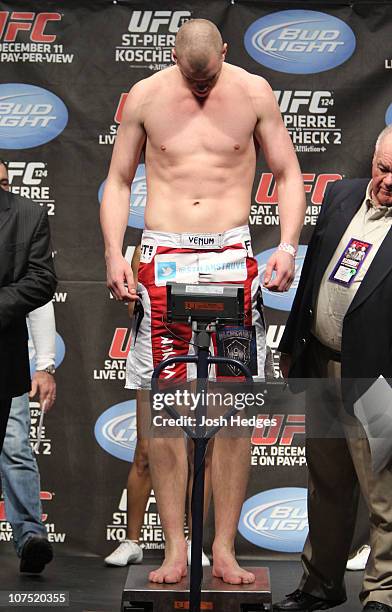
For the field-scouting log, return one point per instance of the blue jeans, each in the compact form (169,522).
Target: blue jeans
(20,476)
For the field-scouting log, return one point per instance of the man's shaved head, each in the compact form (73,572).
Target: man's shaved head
(196,42)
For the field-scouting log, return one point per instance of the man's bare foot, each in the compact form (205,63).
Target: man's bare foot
(226,567)
(174,566)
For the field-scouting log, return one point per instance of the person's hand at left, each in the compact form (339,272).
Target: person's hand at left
(280,271)
(43,385)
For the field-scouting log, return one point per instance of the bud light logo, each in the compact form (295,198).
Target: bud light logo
(115,430)
(388,115)
(29,116)
(300,42)
(60,352)
(138,198)
(272,299)
(276,519)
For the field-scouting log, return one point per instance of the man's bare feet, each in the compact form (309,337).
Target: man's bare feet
(174,566)
(226,567)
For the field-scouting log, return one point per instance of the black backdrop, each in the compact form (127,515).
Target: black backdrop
(330,66)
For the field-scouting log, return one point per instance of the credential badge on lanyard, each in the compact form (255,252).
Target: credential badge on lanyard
(350,262)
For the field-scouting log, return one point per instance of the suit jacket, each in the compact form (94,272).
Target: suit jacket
(367,327)
(27,281)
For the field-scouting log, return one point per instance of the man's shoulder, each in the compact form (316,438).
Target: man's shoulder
(248,78)
(154,80)
(25,206)
(344,188)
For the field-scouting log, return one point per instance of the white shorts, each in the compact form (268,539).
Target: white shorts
(194,259)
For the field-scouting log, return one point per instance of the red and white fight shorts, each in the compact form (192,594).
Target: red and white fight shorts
(194,259)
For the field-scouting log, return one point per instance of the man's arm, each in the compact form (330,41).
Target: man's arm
(37,285)
(280,156)
(115,205)
(43,334)
(288,339)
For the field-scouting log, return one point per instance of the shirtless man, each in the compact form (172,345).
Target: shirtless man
(198,121)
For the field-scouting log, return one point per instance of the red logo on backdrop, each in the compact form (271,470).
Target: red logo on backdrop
(121,343)
(35,23)
(267,191)
(44,496)
(283,432)
(120,108)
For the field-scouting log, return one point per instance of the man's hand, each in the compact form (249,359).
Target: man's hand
(285,364)
(283,264)
(120,278)
(44,385)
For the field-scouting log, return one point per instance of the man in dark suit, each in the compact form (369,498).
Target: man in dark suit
(27,281)
(340,330)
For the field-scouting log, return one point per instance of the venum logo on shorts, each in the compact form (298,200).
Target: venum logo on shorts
(29,116)
(199,241)
(300,41)
(167,347)
(138,197)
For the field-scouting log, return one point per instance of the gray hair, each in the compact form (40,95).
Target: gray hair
(385,132)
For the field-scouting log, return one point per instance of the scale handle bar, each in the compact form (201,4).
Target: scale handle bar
(194,359)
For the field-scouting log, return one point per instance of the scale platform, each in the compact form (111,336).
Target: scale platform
(140,595)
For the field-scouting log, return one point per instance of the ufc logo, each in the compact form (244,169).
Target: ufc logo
(12,23)
(267,191)
(291,101)
(282,432)
(121,343)
(31,173)
(151,21)
(120,108)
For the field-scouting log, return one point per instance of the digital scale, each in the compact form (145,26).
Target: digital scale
(140,595)
(205,308)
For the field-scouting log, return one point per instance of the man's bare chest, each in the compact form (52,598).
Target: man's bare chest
(191,127)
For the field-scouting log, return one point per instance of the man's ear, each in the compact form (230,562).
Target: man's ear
(224,51)
(174,55)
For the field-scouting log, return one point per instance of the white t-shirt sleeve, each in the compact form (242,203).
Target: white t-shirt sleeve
(42,327)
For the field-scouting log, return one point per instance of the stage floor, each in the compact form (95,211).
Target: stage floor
(93,587)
